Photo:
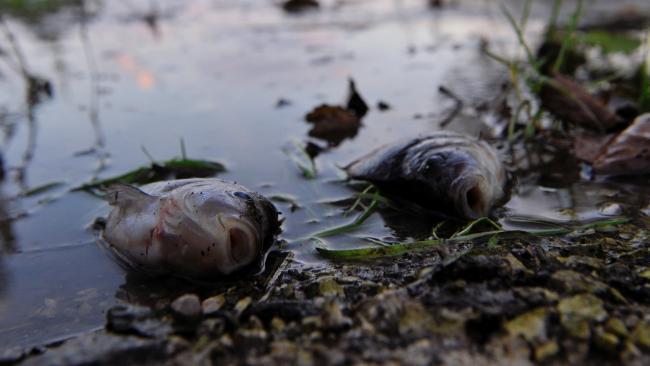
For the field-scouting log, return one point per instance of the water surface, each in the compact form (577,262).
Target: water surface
(131,74)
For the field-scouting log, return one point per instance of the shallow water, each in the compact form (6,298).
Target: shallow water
(129,74)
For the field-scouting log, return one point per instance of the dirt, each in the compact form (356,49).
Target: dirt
(575,300)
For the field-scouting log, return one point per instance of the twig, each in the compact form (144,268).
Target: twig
(457,108)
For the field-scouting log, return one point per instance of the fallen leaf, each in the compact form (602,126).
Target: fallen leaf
(629,152)
(572,103)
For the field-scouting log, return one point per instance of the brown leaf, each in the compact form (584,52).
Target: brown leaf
(629,152)
(572,103)
(333,123)
(588,146)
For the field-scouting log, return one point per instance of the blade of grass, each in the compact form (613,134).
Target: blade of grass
(468,228)
(568,38)
(357,202)
(183,152)
(351,226)
(402,248)
(520,35)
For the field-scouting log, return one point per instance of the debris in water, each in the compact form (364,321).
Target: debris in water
(356,104)
(158,171)
(297,6)
(196,228)
(333,124)
(281,103)
(383,106)
(447,172)
(629,152)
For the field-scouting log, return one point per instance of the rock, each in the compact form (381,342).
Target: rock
(103,349)
(120,318)
(606,341)
(11,356)
(333,318)
(187,307)
(325,286)
(531,325)
(212,304)
(242,305)
(572,281)
(611,209)
(414,319)
(641,335)
(577,312)
(616,326)
(136,320)
(546,350)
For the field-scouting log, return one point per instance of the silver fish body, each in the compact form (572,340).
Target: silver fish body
(199,228)
(446,172)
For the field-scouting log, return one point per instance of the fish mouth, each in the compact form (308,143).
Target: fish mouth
(471,202)
(243,243)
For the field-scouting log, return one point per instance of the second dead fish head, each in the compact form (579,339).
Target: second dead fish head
(446,172)
(198,228)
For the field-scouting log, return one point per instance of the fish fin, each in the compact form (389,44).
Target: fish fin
(123,195)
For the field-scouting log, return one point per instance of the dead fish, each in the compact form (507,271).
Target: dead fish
(199,228)
(446,172)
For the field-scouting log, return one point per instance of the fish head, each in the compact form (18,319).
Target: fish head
(238,242)
(238,226)
(478,185)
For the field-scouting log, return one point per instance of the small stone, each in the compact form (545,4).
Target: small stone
(187,307)
(121,318)
(578,311)
(277,325)
(531,325)
(646,210)
(11,355)
(616,326)
(546,350)
(325,286)
(606,341)
(242,305)
(312,321)
(641,335)
(415,319)
(333,317)
(645,274)
(212,304)
(611,209)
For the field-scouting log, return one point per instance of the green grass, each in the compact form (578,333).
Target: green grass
(491,237)
(299,156)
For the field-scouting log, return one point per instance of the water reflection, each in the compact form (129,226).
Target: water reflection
(129,73)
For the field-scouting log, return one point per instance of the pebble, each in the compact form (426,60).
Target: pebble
(212,304)
(187,307)
(611,209)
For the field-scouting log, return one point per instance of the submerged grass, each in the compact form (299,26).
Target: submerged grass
(176,168)
(491,237)
(303,161)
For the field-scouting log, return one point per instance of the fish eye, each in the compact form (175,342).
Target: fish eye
(242,195)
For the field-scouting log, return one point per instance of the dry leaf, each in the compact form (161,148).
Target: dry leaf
(629,152)
(572,103)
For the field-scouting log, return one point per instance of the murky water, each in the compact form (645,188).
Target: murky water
(131,74)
